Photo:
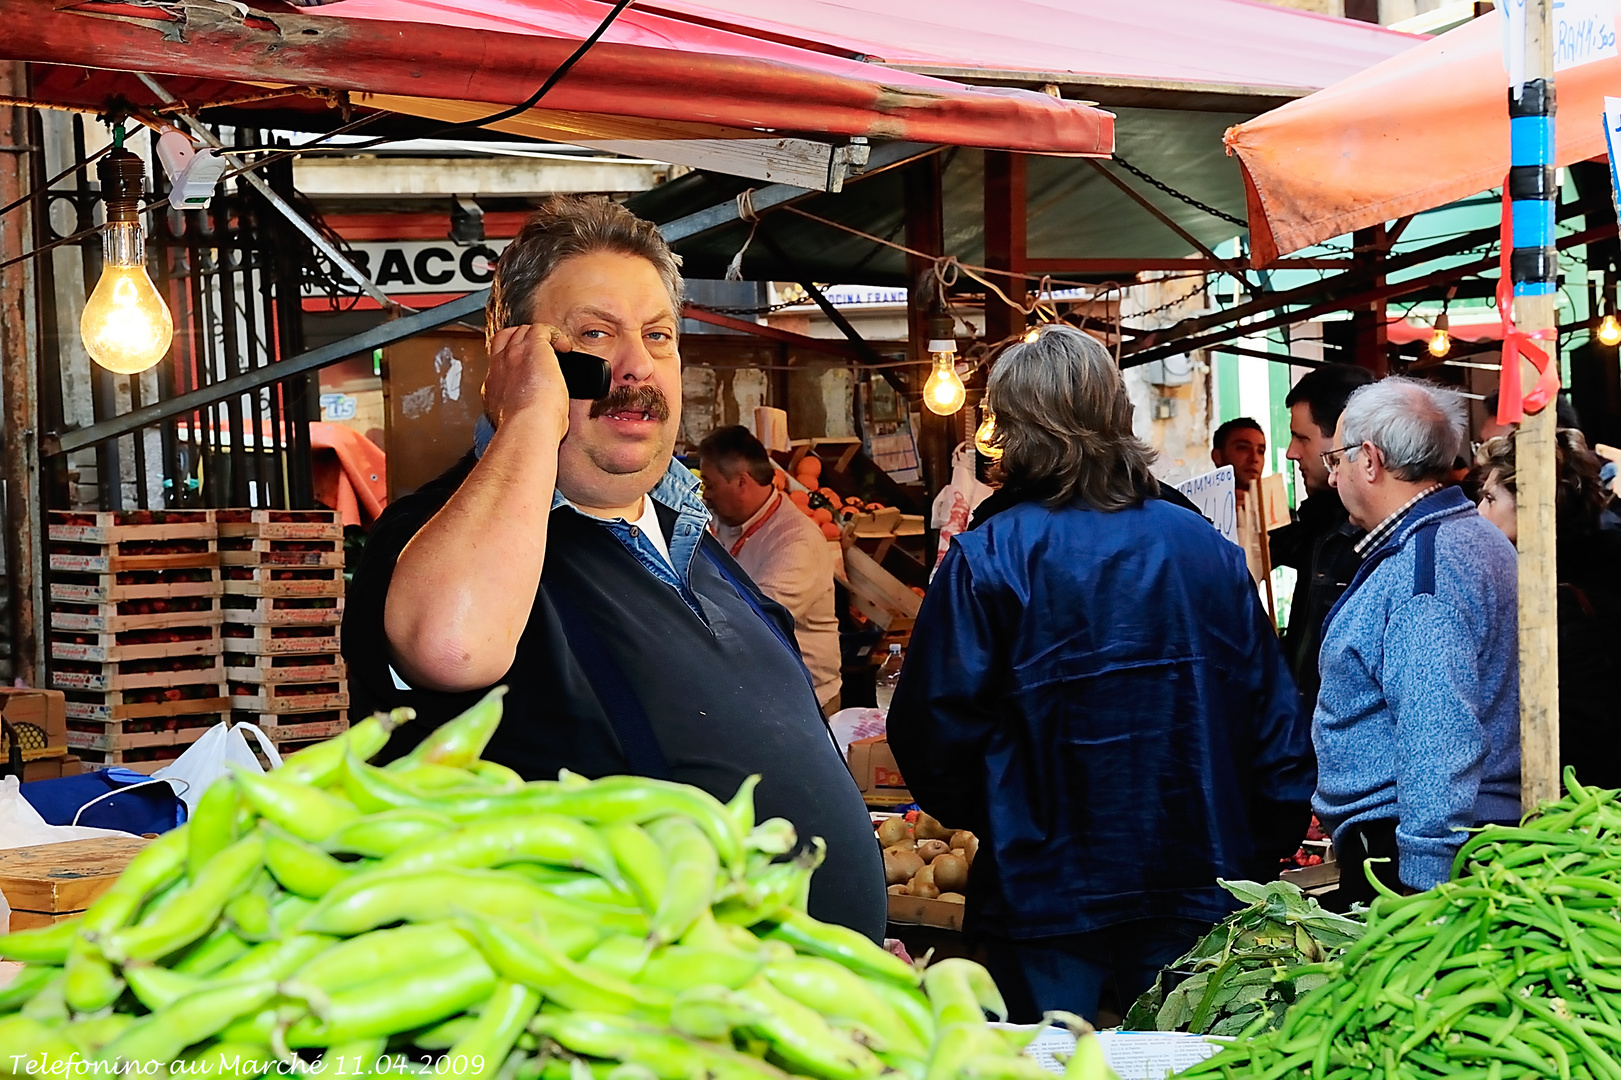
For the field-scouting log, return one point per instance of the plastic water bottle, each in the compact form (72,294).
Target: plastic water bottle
(889,675)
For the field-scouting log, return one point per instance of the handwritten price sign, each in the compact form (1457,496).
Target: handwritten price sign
(1583,31)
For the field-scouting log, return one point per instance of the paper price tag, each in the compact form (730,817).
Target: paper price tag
(1583,31)
(1215,494)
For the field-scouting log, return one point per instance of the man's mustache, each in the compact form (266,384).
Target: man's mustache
(645,398)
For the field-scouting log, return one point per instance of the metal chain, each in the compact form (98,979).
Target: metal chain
(1175,194)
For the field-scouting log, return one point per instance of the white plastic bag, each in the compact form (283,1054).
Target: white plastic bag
(207,759)
(955,505)
(21,825)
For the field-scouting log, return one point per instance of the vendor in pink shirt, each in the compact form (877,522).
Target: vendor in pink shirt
(779,547)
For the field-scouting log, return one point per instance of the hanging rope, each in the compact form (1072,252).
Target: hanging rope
(745,211)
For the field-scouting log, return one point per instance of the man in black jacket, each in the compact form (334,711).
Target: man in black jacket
(1321,542)
(567,558)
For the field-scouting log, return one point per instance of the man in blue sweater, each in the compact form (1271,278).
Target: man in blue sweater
(1417,721)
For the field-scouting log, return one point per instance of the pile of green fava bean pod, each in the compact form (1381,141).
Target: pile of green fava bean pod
(440,915)
(1511,969)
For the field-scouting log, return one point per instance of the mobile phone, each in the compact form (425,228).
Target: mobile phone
(587,377)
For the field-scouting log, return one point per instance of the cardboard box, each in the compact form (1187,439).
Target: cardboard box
(876,773)
(51,768)
(919,911)
(42,709)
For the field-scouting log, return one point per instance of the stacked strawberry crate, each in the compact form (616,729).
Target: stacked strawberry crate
(283,579)
(135,612)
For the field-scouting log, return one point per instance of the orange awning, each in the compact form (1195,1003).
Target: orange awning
(1425,128)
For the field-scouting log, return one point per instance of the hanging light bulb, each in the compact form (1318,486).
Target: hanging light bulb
(985,435)
(1609,330)
(126,326)
(943,393)
(1032,335)
(1441,336)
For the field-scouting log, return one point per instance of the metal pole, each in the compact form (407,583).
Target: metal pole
(1534,264)
(19,399)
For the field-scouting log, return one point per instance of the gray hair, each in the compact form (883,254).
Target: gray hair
(1420,428)
(1063,421)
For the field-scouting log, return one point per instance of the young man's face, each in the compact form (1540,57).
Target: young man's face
(616,307)
(1245,450)
(1307,444)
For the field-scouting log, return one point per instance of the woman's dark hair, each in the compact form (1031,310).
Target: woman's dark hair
(1063,422)
(1581,495)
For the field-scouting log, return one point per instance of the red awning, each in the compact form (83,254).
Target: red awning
(1179,43)
(689,79)
(1418,131)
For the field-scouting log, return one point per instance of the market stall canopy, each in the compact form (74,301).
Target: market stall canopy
(1215,54)
(1177,73)
(1417,131)
(651,76)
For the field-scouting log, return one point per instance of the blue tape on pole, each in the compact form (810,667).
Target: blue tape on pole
(1532,223)
(1530,140)
(1533,288)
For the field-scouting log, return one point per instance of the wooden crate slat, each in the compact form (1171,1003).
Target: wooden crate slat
(269,702)
(284,558)
(285,611)
(110,592)
(332,669)
(284,530)
(112,624)
(108,649)
(141,758)
(264,644)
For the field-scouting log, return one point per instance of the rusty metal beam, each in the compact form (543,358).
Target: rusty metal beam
(773,333)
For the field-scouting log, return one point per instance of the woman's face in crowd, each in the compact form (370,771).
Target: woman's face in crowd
(1498,507)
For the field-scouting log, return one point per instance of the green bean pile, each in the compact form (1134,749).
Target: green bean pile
(442,915)
(1510,969)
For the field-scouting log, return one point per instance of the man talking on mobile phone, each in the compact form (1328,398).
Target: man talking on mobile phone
(566,557)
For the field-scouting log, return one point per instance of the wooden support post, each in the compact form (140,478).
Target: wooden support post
(1534,311)
(1371,334)
(1006,208)
(19,411)
(925,231)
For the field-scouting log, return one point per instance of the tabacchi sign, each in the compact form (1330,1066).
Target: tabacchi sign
(424,266)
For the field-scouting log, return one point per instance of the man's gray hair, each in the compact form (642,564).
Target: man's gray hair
(1420,428)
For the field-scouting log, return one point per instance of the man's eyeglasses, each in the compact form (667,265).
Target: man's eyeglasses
(1331,458)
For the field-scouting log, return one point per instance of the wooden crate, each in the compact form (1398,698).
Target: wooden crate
(88,588)
(131,704)
(280,640)
(250,551)
(298,697)
(878,594)
(50,882)
(114,558)
(283,580)
(138,674)
(113,616)
(120,526)
(284,610)
(280,524)
(283,728)
(135,644)
(147,759)
(297,667)
(132,734)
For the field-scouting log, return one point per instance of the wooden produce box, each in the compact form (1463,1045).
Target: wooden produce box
(113,617)
(280,524)
(284,610)
(293,697)
(284,580)
(182,730)
(95,588)
(876,773)
(918,911)
(183,554)
(124,526)
(280,640)
(41,718)
(51,882)
(148,703)
(297,727)
(878,594)
(297,667)
(92,647)
(252,551)
(184,670)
